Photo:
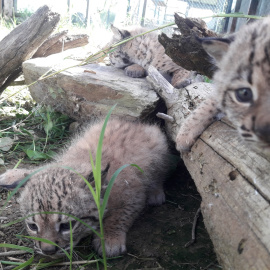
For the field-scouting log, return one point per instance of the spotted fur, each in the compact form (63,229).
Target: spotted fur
(136,56)
(57,189)
(242,85)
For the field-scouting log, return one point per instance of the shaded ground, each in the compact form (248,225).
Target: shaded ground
(155,241)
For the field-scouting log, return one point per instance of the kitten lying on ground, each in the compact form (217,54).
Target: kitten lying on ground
(56,189)
(137,54)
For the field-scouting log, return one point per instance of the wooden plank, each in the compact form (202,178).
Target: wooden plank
(235,215)
(232,180)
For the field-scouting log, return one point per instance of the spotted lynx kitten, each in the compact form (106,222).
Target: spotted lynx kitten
(242,87)
(136,56)
(56,189)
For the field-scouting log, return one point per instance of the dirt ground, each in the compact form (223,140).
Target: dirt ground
(155,241)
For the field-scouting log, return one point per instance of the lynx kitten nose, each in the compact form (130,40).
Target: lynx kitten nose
(49,249)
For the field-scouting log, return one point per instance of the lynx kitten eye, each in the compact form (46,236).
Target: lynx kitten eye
(32,227)
(244,95)
(64,227)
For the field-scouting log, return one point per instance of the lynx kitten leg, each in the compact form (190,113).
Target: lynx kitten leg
(195,124)
(135,71)
(156,195)
(12,177)
(181,78)
(117,224)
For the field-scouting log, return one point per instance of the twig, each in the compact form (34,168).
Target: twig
(16,259)
(165,117)
(138,258)
(193,228)
(11,253)
(77,262)
(16,83)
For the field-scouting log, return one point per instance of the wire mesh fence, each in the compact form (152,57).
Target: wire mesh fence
(149,13)
(159,12)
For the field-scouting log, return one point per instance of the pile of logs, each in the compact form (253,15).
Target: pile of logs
(32,39)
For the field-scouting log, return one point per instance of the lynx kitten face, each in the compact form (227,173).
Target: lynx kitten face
(57,189)
(137,54)
(242,87)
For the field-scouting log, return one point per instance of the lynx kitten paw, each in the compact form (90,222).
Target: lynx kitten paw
(156,197)
(135,71)
(182,83)
(184,142)
(114,246)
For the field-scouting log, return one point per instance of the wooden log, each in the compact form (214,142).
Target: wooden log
(185,49)
(22,42)
(232,180)
(61,42)
(49,42)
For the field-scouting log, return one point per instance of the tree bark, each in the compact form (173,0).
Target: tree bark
(185,49)
(49,42)
(60,42)
(22,42)
(7,11)
(232,180)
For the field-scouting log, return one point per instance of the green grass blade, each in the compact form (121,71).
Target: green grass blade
(47,242)
(10,263)
(99,151)
(71,245)
(46,265)
(95,176)
(110,185)
(48,213)
(23,265)
(30,250)
(87,183)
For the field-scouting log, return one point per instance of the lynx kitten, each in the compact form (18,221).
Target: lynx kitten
(242,87)
(56,189)
(137,54)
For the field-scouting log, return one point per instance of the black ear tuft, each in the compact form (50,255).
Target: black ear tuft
(105,172)
(90,178)
(12,186)
(125,34)
(210,40)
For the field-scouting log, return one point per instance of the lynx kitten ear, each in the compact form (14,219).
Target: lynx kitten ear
(11,178)
(119,34)
(216,47)
(104,173)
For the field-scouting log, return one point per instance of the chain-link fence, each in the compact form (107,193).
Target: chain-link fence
(131,12)
(157,12)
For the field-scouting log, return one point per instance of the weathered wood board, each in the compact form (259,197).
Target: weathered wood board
(232,180)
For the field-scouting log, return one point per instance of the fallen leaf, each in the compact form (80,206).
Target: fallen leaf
(90,71)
